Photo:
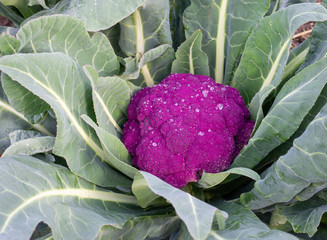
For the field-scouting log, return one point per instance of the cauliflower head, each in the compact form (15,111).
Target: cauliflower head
(185,125)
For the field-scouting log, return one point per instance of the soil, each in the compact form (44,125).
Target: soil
(5,22)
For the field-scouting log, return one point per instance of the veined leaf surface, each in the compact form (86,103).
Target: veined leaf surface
(30,146)
(318,43)
(304,163)
(147,28)
(11,120)
(190,58)
(305,217)
(209,180)
(32,191)
(8,44)
(115,151)
(197,215)
(243,224)
(141,228)
(290,107)
(225,25)
(111,97)
(68,91)
(96,14)
(158,66)
(59,34)
(267,49)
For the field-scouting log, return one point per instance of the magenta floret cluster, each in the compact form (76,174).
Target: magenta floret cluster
(185,125)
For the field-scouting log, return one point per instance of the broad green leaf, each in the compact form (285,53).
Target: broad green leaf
(96,14)
(190,58)
(68,91)
(310,191)
(22,7)
(290,107)
(177,8)
(113,35)
(145,29)
(111,97)
(226,25)
(38,2)
(69,35)
(151,68)
(142,191)
(197,215)
(20,135)
(318,40)
(8,44)
(11,120)
(305,216)
(21,99)
(33,191)
(267,49)
(141,228)
(243,224)
(115,151)
(13,16)
(209,180)
(59,34)
(304,163)
(30,146)
(295,60)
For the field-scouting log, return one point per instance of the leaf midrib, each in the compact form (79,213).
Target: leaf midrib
(220,42)
(13,111)
(86,138)
(73,192)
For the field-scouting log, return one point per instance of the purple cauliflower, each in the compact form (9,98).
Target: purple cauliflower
(185,125)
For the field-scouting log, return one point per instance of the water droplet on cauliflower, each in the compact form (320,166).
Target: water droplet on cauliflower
(177,142)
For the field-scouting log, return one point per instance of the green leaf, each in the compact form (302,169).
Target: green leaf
(305,216)
(22,6)
(267,49)
(142,191)
(197,215)
(96,14)
(146,29)
(243,224)
(177,8)
(69,35)
(111,97)
(21,99)
(318,43)
(30,146)
(11,120)
(290,107)
(56,30)
(116,153)
(190,58)
(303,164)
(8,44)
(68,91)
(209,180)
(141,228)
(295,60)
(226,25)
(10,14)
(151,68)
(38,2)
(50,193)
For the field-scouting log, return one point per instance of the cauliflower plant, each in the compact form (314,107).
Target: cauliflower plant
(185,125)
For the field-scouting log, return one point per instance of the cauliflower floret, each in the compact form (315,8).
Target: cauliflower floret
(185,125)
